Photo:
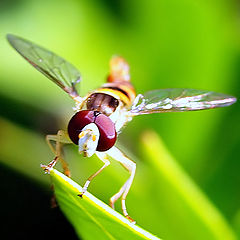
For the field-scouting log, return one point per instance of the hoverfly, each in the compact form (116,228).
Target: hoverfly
(101,114)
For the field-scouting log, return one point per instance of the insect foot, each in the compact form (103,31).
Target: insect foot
(80,195)
(46,168)
(84,189)
(130,219)
(49,167)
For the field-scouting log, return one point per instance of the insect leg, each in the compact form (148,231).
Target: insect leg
(131,167)
(60,138)
(103,157)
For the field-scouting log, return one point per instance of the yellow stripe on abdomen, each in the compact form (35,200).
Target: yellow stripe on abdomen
(120,91)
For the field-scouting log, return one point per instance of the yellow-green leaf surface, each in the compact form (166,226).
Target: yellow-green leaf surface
(187,205)
(91,218)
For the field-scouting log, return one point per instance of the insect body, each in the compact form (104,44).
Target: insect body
(102,113)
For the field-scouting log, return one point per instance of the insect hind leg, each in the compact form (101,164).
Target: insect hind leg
(116,196)
(131,167)
(60,138)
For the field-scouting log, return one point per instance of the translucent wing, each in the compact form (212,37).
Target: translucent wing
(61,72)
(178,100)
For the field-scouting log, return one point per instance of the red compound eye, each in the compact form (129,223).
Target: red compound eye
(78,122)
(105,126)
(107,131)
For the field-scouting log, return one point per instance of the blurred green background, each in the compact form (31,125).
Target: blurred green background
(168,44)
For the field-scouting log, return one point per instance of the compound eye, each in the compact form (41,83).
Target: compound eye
(107,131)
(105,126)
(78,122)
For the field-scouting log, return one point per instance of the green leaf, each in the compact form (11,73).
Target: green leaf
(179,200)
(91,218)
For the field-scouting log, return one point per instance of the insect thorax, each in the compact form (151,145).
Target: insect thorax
(102,102)
(109,105)
(112,99)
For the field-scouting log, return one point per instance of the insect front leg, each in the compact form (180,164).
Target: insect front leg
(103,157)
(60,138)
(131,167)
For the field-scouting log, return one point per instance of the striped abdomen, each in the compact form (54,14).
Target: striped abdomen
(118,88)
